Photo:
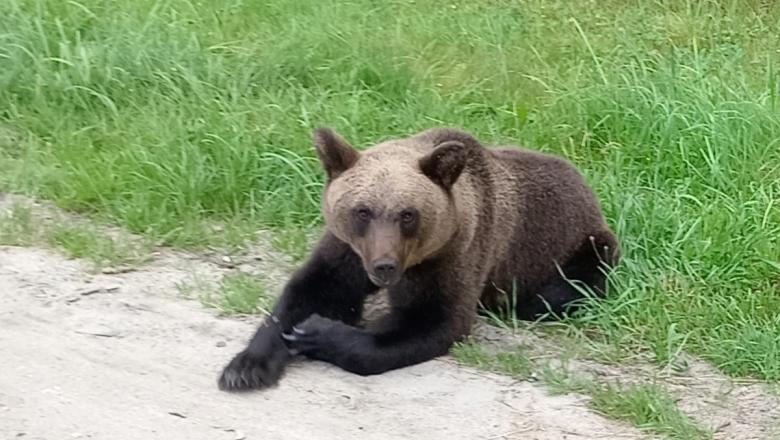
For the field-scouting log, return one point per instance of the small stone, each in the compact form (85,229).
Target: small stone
(110,289)
(221,344)
(117,270)
(99,331)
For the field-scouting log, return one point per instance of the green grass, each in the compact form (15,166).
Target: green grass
(103,250)
(295,242)
(237,293)
(21,227)
(513,363)
(649,407)
(167,116)
(17,227)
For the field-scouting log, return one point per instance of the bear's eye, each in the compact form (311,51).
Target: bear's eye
(363,214)
(407,216)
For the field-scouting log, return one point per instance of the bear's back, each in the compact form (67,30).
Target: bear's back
(545,209)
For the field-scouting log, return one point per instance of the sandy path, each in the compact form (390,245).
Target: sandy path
(135,361)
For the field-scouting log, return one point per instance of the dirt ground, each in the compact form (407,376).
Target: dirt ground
(125,356)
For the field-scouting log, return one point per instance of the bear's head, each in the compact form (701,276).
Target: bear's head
(392,203)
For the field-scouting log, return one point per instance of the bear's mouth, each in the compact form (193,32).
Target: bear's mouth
(383,282)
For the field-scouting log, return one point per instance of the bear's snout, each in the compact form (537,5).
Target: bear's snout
(385,272)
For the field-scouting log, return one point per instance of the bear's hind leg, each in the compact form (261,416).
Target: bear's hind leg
(588,266)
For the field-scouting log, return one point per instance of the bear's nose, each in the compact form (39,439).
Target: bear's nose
(385,267)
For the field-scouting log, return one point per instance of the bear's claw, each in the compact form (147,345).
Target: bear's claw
(247,371)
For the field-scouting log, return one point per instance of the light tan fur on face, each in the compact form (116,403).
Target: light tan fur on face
(387,179)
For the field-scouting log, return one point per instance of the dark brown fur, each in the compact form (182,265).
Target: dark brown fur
(442,222)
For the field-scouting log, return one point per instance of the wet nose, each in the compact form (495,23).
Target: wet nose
(385,267)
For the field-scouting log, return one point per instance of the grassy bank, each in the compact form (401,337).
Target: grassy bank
(164,115)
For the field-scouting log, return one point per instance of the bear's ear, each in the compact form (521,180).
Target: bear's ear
(445,163)
(335,153)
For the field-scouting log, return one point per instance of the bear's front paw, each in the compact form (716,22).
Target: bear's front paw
(316,337)
(252,371)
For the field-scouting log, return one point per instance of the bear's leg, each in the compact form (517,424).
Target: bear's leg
(408,335)
(331,283)
(589,266)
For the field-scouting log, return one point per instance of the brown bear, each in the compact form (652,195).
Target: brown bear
(443,223)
